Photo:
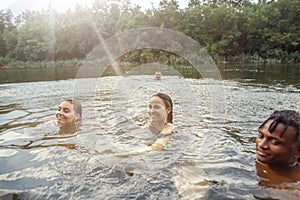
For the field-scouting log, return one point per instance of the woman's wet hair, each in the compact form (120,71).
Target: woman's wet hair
(289,118)
(168,103)
(76,105)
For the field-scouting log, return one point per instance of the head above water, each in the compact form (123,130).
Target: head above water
(76,105)
(157,75)
(168,104)
(69,111)
(278,140)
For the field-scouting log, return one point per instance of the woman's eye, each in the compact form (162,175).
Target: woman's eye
(66,110)
(156,107)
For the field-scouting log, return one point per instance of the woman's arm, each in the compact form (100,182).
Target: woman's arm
(160,143)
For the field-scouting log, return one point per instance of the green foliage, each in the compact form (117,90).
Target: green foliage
(273,29)
(233,31)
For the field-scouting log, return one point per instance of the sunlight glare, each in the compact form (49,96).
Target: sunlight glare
(19,6)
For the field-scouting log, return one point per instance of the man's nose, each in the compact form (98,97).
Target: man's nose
(263,143)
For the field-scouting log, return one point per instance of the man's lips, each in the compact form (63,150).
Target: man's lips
(262,153)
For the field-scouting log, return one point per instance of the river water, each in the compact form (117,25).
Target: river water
(211,157)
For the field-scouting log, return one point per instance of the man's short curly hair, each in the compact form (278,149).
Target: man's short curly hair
(289,118)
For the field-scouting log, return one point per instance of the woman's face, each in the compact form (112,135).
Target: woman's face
(65,113)
(157,110)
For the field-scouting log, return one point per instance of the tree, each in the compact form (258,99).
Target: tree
(6,27)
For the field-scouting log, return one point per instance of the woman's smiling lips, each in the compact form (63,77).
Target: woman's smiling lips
(59,117)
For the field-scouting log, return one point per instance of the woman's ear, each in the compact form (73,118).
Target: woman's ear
(77,116)
(168,110)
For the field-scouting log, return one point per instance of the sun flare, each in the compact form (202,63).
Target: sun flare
(17,6)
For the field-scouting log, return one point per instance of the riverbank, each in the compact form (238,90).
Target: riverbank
(240,59)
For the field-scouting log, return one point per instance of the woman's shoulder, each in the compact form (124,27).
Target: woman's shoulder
(170,128)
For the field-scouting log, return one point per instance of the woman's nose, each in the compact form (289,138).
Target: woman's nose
(59,112)
(151,110)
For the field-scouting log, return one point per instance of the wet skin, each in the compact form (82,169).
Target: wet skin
(158,112)
(277,155)
(65,113)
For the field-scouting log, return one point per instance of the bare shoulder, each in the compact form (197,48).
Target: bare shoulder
(170,128)
(298,173)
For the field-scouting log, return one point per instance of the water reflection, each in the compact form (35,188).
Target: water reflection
(40,74)
(262,73)
(10,113)
(255,73)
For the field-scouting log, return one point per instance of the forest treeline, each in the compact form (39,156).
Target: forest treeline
(230,31)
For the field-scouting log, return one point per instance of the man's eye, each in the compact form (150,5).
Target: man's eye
(275,142)
(156,106)
(260,135)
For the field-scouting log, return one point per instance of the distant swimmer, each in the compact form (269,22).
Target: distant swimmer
(278,148)
(157,75)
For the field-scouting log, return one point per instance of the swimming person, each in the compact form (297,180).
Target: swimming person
(68,116)
(69,111)
(161,116)
(68,121)
(160,110)
(278,148)
(157,75)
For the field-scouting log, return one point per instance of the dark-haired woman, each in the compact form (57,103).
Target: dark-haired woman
(161,116)
(160,111)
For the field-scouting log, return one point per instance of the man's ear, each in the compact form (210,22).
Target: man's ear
(297,153)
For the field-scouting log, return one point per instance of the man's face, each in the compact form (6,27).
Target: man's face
(274,150)
(157,75)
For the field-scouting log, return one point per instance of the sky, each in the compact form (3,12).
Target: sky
(17,6)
